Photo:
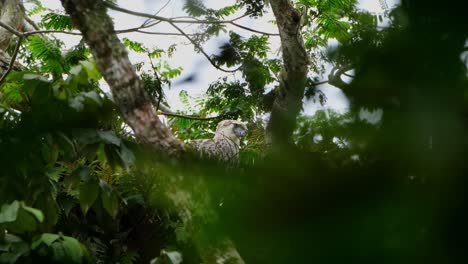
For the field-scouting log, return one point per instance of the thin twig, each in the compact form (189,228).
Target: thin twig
(320,83)
(29,33)
(32,23)
(191,117)
(192,20)
(135,29)
(253,30)
(159,83)
(201,49)
(157,12)
(160,33)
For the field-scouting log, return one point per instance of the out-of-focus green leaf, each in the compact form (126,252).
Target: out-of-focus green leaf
(9,212)
(110,202)
(89,192)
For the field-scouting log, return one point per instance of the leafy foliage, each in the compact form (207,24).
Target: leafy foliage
(254,8)
(257,70)
(76,187)
(56,22)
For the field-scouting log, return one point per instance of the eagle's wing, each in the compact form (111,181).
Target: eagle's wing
(224,150)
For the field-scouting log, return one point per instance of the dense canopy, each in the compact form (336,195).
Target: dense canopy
(97,165)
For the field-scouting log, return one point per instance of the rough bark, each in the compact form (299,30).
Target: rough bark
(11,13)
(91,19)
(289,95)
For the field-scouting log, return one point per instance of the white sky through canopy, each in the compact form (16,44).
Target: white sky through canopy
(194,64)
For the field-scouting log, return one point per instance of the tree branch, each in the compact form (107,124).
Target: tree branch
(253,30)
(157,12)
(10,29)
(191,117)
(320,83)
(334,78)
(177,20)
(201,49)
(32,23)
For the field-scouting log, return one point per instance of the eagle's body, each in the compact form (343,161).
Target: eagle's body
(224,146)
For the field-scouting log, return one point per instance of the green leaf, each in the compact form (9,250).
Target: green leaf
(67,203)
(37,9)
(25,221)
(126,155)
(135,46)
(54,173)
(12,92)
(73,249)
(65,249)
(45,238)
(13,247)
(156,53)
(35,212)
(76,54)
(9,212)
(109,199)
(50,153)
(109,137)
(49,207)
(83,173)
(226,11)
(195,8)
(48,52)
(89,192)
(56,21)
(91,69)
(59,89)
(86,136)
(101,153)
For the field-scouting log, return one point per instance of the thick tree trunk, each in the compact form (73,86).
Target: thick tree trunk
(293,77)
(90,17)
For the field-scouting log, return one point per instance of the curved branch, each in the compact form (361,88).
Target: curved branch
(166,19)
(253,30)
(155,33)
(201,49)
(157,12)
(191,20)
(32,23)
(10,29)
(321,83)
(191,117)
(334,78)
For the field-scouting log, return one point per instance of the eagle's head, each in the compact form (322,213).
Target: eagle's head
(232,129)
